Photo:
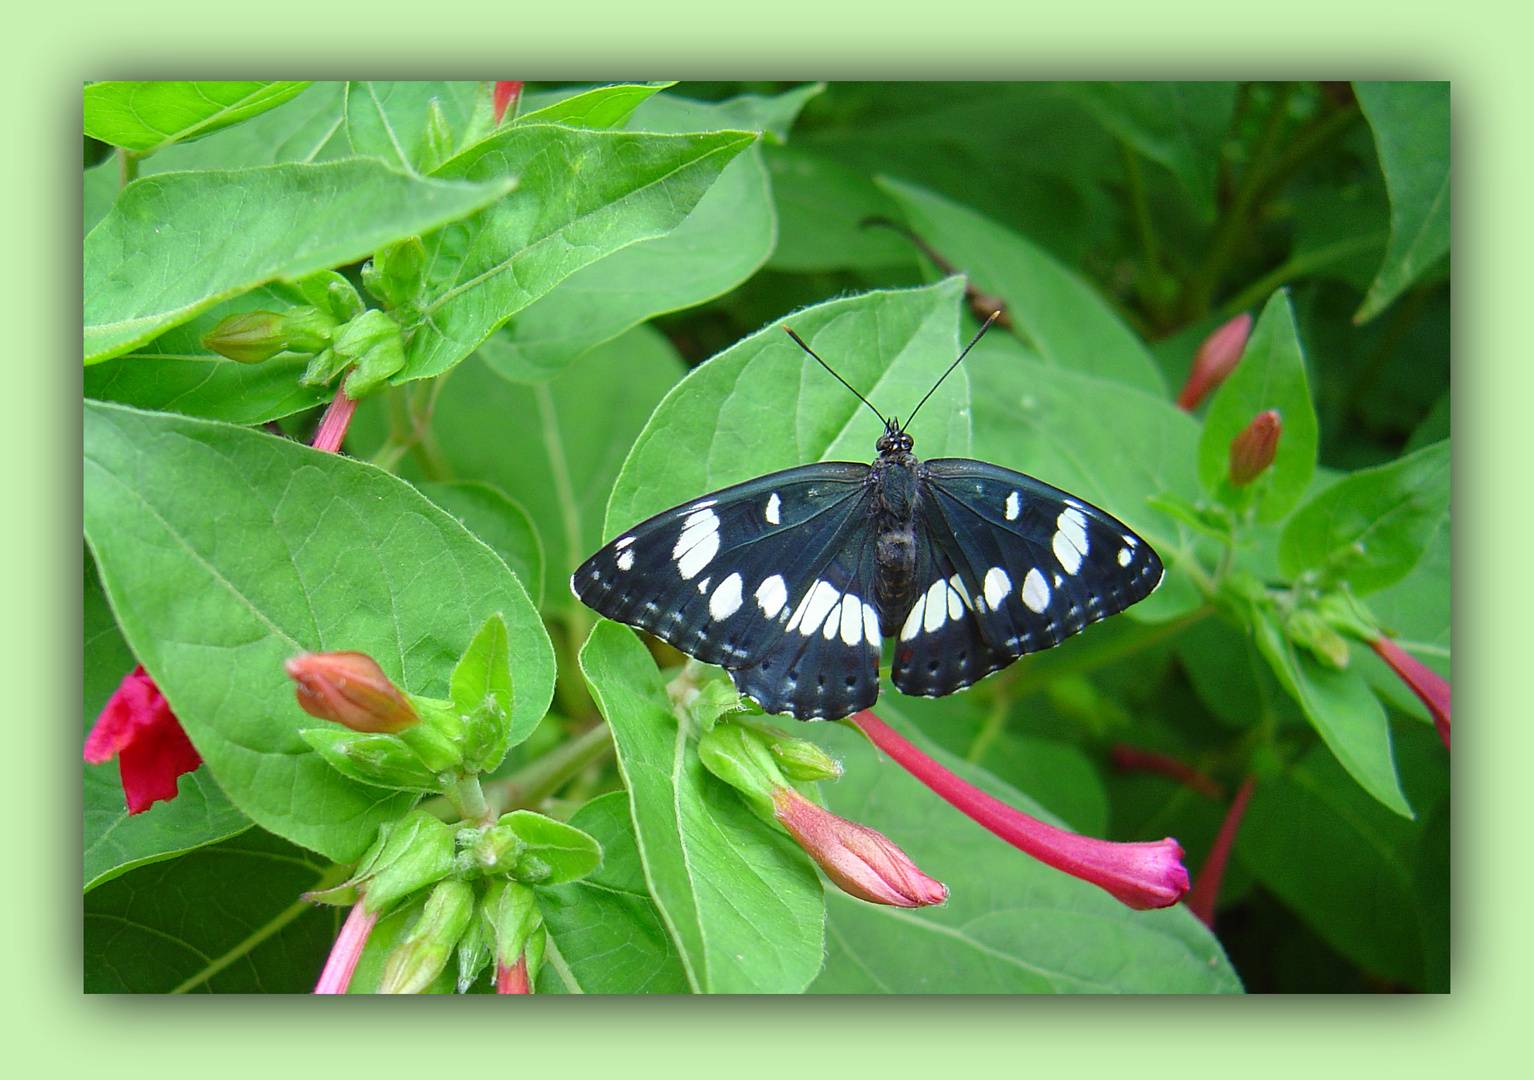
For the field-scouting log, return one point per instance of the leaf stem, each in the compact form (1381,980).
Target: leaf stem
(535,782)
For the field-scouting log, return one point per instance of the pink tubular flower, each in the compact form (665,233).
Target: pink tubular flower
(860,861)
(138,727)
(1426,683)
(338,417)
(1142,875)
(506,93)
(1215,360)
(513,979)
(350,688)
(344,954)
(1253,449)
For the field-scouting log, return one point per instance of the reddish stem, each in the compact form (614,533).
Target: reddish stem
(333,425)
(1134,759)
(1206,890)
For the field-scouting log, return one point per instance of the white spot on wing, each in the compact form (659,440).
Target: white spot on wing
(958,586)
(871,625)
(625,542)
(937,606)
(1125,556)
(914,620)
(852,619)
(997,585)
(1035,592)
(726,599)
(1014,506)
(774,504)
(822,599)
(955,602)
(698,543)
(1070,542)
(626,560)
(771,595)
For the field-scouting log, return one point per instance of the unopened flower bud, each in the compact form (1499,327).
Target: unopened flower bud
(374,342)
(860,861)
(410,854)
(1215,360)
(1253,449)
(351,689)
(799,759)
(1306,627)
(250,337)
(739,758)
(419,959)
(506,95)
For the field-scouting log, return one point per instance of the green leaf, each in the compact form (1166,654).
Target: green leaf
(1371,527)
(114,841)
(608,931)
(763,404)
(482,676)
(222,920)
(1342,709)
(1181,125)
(725,239)
(1417,609)
(388,120)
(225,552)
(581,195)
(1111,444)
(1011,925)
(1345,864)
(175,244)
(602,107)
(149,116)
(311,127)
(821,205)
(742,902)
(1411,133)
(499,521)
(556,853)
(1271,375)
(1053,309)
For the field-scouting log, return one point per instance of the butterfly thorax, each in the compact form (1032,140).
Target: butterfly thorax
(894,480)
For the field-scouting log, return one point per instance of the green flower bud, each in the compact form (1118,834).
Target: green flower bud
(250,337)
(438,138)
(536,849)
(420,957)
(309,329)
(511,915)
(373,341)
(333,294)
(380,760)
(474,952)
(481,693)
(1305,627)
(393,274)
(799,759)
(737,757)
(416,851)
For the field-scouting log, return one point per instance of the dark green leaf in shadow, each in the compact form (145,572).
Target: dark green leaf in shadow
(148,116)
(581,195)
(607,929)
(226,551)
(742,901)
(175,244)
(1411,132)
(1011,925)
(821,205)
(499,521)
(1342,709)
(1053,309)
(725,239)
(114,841)
(763,405)
(225,919)
(1371,527)
(1271,375)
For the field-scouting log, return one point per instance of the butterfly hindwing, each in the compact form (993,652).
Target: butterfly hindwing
(721,577)
(1039,565)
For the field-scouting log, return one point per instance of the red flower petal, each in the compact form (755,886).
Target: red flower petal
(139,728)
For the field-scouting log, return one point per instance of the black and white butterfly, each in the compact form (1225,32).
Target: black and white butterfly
(791,581)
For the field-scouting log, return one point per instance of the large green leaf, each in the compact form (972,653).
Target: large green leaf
(1417,609)
(1111,444)
(742,902)
(1341,707)
(821,205)
(311,127)
(1371,527)
(225,919)
(608,931)
(1411,132)
(582,194)
(763,404)
(1011,924)
(149,116)
(1346,864)
(175,244)
(1053,309)
(225,552)
(1271,375)
(389,120)
(728,235)
(499,521)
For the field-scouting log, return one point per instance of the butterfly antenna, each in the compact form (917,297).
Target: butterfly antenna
(838,378)
(994,316)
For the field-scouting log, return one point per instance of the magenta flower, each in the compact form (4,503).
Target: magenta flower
(1216,358)
(860,861)
(1142,875)
(1253,449)
(1426,683)
(139,728)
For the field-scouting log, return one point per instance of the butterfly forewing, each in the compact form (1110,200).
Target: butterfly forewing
(720,577)
(1039,564)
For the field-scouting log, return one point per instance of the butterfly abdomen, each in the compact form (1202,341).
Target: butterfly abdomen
(896,494)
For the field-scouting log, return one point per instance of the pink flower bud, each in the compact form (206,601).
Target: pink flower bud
(512,979)
(140,730)
(860,861)
(1426,683)
(506,93)
(1142,875)
(351,689)
(1215,360)
(1252,450)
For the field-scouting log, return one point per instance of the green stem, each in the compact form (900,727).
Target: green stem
(532,784)
(559,469)
(127,167)
(468,798)
(990,731)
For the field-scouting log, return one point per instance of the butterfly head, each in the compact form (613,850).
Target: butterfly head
(894,440)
